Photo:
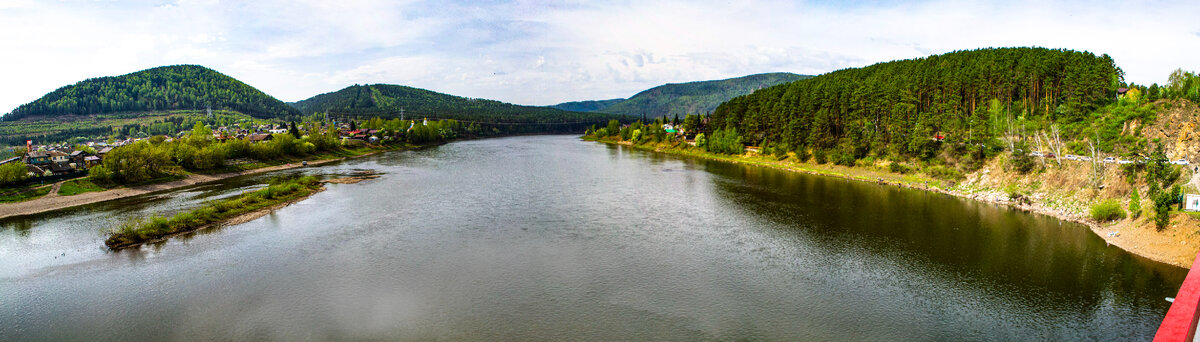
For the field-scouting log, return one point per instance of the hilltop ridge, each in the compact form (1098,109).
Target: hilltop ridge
(175,87)
(699,97)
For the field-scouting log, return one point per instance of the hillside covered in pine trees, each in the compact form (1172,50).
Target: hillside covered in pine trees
(176,87)
(387,100)
(898,108)
(700,97)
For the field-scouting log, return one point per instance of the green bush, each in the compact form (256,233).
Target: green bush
(1014,192)
(13,173)
(819,156)
(726,142)
(802,155)
(896,167)
(843,158)
(1021,163)
(943,172)
(1108,210)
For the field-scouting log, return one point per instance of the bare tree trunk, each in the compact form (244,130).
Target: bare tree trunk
(1097,166)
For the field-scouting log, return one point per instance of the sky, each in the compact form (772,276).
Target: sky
(547,52)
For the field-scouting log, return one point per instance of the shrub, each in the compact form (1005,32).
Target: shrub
(819,156)
(943,172)
(13,173)
(1108,210)
(100,174)
(1021,163)
(802,155)
(843,158)
(725,142)
(896,167)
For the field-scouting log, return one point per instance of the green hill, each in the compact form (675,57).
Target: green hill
(696,97)
(387,100)
(896,108)
(586,106)
(159,89)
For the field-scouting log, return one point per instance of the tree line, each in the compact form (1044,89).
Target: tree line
(899,108)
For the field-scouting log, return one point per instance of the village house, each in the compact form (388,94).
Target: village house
(259,137)
(90,161)
(37,158)
(58,157)
(79,159)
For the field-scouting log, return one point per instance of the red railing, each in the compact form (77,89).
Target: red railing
(1180,323)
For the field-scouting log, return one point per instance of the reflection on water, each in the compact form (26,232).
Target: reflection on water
(552,238)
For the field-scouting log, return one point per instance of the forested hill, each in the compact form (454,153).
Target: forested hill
(695,97)
(586,106)
(386,100)
(896,108)
(163,88)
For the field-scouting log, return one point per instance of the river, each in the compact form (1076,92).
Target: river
(553,238)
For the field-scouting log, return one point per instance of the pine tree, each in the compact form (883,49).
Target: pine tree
(1135,204)
(293,131)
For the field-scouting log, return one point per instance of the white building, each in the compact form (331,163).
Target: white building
(1191,202)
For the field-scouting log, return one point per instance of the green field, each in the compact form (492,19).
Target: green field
(10,195)
(78,186)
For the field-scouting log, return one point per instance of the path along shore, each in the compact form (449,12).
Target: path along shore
(52,201)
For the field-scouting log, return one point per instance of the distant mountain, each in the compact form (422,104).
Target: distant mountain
(158,89)
(696,97)
(586,106)
(387,100)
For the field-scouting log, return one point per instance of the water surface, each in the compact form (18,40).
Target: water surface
(552,238)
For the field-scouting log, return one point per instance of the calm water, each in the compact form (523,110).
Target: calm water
(551,238)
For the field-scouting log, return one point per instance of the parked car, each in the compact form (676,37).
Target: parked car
(1051,155)
(1110,160)
(1037,154)
(1124,161)
(1072,157)
(1181,161)
(1085,158)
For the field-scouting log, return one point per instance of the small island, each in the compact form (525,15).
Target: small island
(279,193)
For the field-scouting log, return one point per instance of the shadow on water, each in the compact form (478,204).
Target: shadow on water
(1047,262)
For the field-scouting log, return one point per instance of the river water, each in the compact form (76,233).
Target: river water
(552,238)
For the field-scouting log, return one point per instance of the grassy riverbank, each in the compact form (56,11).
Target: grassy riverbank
(867,174)
(25,193)
(277,192)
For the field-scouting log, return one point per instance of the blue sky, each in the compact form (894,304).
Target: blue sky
(546,52)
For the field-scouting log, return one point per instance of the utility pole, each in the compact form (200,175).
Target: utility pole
(401,113)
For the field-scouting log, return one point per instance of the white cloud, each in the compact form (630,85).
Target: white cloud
(534,52)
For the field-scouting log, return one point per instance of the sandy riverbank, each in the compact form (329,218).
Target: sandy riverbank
(1177,245)
(52,202)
